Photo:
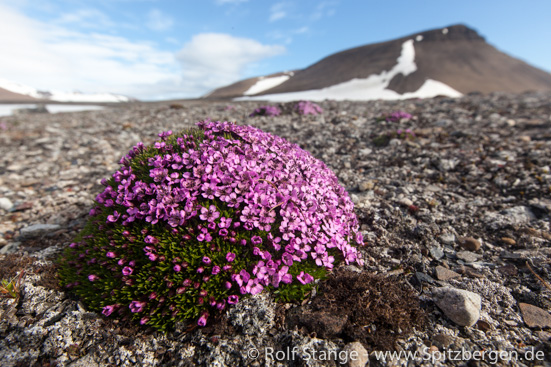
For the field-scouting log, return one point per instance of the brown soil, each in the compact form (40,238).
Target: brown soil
(372,309)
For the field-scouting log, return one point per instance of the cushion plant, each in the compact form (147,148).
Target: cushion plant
(188,226)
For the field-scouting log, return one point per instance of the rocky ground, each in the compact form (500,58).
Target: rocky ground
(456,220)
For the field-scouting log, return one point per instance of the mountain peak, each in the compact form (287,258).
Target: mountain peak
(450,61)
(454,32)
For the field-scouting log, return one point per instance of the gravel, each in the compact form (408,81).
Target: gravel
(467,200)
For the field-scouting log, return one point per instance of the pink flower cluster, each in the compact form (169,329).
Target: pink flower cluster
(290,202)
(266,111)
(398,116)
(308,108)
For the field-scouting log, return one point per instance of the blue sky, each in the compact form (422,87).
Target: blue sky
(160,49)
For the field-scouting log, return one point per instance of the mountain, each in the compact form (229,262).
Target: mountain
(448,61)
(19,93)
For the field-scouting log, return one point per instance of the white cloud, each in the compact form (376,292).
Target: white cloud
(51,57)
(210,60)
(287,35)
(157,21)
(278,11)
(324,9)
(86,18)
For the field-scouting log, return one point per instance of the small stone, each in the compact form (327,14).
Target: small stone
(544,335)
(519,215)
(5,204)
(467,256)
(38,230)
(422,277)
(469,243)
(442,340)
(509,270)
(436,252)
(23,206)
(460,306)
(534,316)
(483,326)
(444,274)
(10,248)
(508,241)
(405,202)
(366,185)
(433,349)
(447,239)
(355,355)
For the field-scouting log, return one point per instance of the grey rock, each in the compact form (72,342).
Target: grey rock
(460,306)
(37,230)
(10,248)
(254,323)
(436,252)
(518,215)
(447,239)
(444,274)
(467,256)
(356,355)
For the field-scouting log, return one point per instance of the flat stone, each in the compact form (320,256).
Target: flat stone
(509,270)
(469,243)
(534,316)
(5,204)
(519,215)
(355,355)
(467,256)
(38,230)
(10,248)
(436,252)
(442,340)
(460,306)
(447,239)
(444,274)
(422,277)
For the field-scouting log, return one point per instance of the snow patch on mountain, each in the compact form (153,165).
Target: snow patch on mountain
(370,88)
(266,83)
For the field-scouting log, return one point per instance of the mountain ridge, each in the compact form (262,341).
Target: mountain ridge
(456,56)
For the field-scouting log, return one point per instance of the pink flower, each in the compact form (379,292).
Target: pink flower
(233,299)
(305,278)
(203,319)
(242,278)
(108,310)
(177,268)
(144,320)
(230,256)
(136,306)
(206,260)
(127,270)
(93,277)
(111,254)
(215,270)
